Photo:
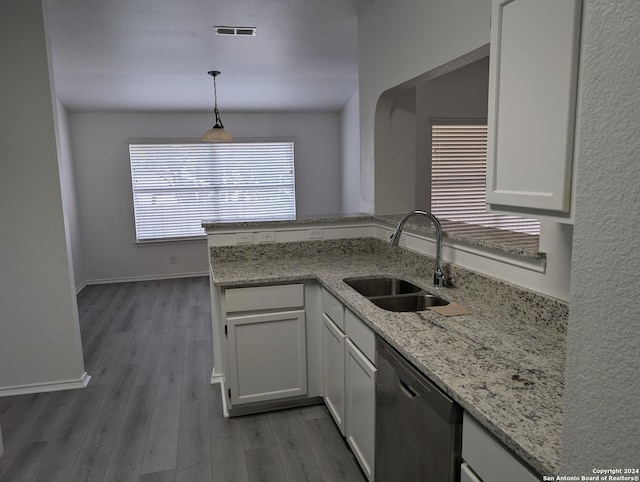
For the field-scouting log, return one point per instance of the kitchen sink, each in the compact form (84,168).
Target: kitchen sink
(408,302)
(382,286)
(394,294)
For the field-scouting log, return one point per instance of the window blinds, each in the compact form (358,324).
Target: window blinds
(458,178)
(177,186)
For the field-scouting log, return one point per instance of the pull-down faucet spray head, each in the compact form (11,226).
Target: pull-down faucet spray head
(439,276)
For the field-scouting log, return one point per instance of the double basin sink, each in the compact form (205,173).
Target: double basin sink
(394,294)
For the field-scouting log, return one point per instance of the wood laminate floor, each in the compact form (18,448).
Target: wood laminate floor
(150,414)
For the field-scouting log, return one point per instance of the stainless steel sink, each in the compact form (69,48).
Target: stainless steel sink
(382,286)
(408,302)
(395,294)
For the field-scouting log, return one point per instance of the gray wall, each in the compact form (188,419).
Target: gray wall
(602,393)
(400,40)
(350,179)
(396,143)
(103,182)
(39,333)
(462,93)
(69,196)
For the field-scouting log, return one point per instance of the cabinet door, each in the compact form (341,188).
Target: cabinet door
(267,356)
(361,407)
(334,353)
(533,71)
(490,459)
(467,475)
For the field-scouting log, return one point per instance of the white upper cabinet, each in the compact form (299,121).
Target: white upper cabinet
(533,73)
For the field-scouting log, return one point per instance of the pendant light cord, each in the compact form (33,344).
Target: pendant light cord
(215,104)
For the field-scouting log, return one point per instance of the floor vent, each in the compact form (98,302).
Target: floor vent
(235,31)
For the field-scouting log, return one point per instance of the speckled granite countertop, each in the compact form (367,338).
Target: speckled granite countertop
(488,238)
(503,364)
(212,224)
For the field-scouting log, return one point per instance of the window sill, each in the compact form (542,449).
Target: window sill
(172,241)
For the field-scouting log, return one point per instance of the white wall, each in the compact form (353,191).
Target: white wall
(39,335)
(350,140)
(602,379)
(69,197)
(399,40)
(101,159)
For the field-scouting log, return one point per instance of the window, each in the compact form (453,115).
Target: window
(458,179)
(177,186)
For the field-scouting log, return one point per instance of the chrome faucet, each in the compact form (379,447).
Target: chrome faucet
(440,278)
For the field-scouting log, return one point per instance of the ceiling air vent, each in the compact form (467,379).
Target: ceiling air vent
(235,31)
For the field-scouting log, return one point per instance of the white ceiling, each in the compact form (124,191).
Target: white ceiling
(153,55)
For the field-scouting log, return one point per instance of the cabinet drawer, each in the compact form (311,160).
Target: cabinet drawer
(488,458)
(264,298)
(333,308)
(361,335)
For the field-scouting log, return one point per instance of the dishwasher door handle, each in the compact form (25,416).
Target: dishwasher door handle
(407,390)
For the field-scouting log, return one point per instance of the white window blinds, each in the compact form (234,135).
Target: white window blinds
(177,186)
(458,178)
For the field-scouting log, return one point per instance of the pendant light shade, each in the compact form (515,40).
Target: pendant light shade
(217,133)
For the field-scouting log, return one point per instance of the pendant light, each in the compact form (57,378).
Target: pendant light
(217,133)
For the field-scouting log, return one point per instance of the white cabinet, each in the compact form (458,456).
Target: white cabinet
(361,407)
(334,374)
(350,378)
(488,459)
(533,77)
(266,343)
(468,475)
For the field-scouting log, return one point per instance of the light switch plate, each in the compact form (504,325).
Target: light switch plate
(244,238)
(266,237)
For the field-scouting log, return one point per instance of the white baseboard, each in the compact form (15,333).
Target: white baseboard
(82,382)
(132,279)
(216,377)
(225,409)
(80,287)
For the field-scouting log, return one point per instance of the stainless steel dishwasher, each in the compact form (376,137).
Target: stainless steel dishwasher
(418,427)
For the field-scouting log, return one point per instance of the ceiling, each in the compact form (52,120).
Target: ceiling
(153,55)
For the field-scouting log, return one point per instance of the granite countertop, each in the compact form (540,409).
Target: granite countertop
(502,368)
(212,224)
(487,238)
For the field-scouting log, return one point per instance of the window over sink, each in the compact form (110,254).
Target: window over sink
(178,185)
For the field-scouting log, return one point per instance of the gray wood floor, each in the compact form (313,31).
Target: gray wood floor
(150,413)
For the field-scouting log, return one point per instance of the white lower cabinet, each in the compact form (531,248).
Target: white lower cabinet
(487,459)
(361,407)
(334,375)
(350,378)
(266,343)
(467,475)
(267,356)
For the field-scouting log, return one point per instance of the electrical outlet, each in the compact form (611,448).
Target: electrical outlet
(266,237)
(314,234)
(244,238)
(172,260)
